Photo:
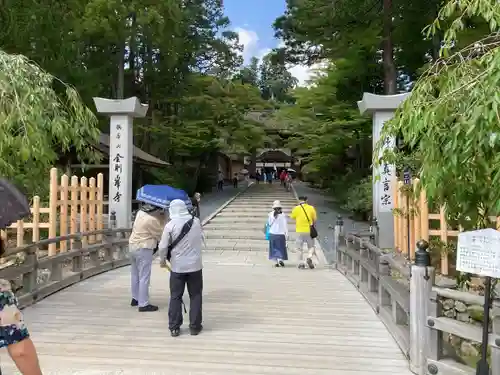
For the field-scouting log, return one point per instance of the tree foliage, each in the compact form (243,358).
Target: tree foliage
(178,57)
(450,122)
(39,117)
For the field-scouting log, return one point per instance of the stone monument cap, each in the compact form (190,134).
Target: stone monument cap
(378,103)
(130,107)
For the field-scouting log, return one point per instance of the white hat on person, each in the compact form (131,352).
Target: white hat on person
(276,204)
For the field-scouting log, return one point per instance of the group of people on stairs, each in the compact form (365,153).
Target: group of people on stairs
(305,226)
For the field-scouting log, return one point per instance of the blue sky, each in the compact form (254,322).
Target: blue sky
(253,20)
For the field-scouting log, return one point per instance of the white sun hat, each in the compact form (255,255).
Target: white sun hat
(276,204)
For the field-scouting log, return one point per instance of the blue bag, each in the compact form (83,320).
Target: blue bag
(266,230)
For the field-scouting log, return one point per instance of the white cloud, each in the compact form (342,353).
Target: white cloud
(250,41)
(305,73)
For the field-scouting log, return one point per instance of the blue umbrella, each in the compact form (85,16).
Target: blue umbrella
(162,195)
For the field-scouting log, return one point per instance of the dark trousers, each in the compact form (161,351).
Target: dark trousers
(219,185)
(235,182)
(178,281)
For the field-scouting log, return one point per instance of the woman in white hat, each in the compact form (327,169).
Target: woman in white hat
(278,233)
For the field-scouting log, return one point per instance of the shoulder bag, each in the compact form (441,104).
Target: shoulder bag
(185,230)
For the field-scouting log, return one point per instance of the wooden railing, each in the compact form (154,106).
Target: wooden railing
(35,278)
(411,307)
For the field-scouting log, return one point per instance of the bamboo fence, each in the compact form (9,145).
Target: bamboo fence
(75,206)
(419,221)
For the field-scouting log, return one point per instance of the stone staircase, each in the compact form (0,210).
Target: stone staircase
(239,227)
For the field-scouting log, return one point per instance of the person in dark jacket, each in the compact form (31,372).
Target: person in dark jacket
(195,201)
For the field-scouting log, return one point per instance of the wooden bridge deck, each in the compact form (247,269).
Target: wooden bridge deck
(257,319)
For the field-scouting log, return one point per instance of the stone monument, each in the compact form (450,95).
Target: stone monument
(382,108)
(122,113)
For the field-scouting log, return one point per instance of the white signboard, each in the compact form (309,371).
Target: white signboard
(478,252)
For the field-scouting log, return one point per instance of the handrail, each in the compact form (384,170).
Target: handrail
(369,269)
(438,319)
(38,278)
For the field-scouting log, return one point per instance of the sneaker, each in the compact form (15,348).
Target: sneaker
(301,266)
(195,331)
(277,265)
(134,302)
(310,263)
(175,332)
(148,308)
(281,263)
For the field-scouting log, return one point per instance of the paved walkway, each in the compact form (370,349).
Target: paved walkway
(258,319)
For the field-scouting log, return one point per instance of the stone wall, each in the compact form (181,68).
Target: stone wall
(467,351)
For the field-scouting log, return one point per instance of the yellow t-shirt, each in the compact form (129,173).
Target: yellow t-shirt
(302,225)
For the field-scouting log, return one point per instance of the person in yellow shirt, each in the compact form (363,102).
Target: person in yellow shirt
(304,215)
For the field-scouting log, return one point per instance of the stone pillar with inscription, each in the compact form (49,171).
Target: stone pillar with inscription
(121,147)
(382,108)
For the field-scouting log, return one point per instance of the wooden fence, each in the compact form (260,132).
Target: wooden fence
(433,326)
(75,206)
(423,224)
(36,278)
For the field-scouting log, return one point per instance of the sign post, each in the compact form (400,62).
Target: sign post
(121,148)
(382,108)
(407,182)
(478,252)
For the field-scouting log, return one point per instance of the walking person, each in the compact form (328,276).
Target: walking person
(181,244)
(220,181)
(146,233)
(195,202)
(278,233)
(305,225)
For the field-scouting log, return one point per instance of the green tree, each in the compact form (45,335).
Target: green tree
(39,117)
(450,120)
(275,79)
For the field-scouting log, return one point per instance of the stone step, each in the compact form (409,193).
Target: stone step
(245,214)
(240,234)
(240,244)
(221,219)
(254,210)
(243,225)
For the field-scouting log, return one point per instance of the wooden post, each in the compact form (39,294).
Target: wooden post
(92,209)
(29,278)
(443,224)
(74,208)
(405,221)
(433,337)
(397,233)
(424,215)
(83,208)
(417,223)
(77,265)
(20,233)
(402,229)
(35,212)
(100,204)
(63,213)
(53,198)
(495,351)
(383,298)
(421,280)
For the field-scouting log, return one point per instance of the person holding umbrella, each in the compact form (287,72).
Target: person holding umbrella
(13,331)
(146,233)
